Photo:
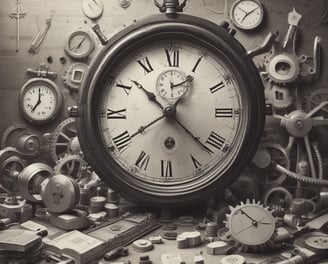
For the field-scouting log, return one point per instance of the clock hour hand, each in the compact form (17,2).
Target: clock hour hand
(38,102)
(196,139)
(150,95)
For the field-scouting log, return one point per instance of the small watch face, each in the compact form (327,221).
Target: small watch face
(246,14)
(79,44)
(40,100)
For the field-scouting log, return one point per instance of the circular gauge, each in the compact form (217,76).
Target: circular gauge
(79,44)
(40,100)
(146,145)
(246,14)
(251,225)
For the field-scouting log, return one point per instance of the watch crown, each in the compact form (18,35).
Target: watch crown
(224,24)
(73,111)
(232,32)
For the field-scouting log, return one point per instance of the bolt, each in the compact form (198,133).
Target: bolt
(299,124)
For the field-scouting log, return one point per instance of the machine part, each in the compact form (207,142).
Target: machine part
(199,259)
(318,222)
(72,165)
(98,201)
(12,133)
(64,140)
(293,21)
(79,44)
(301,178)
(316,97)
(323,199)
(40,100)
(101,36)
(301,206)
(112,196)
(292,220)
(170,235)
(142,245)
(283,235)
(33,179)
(247,14)
(316,241)
(74,75)
(318,157)
(282,68)
(218,248)
(124,3)
(97,217)
(235,259)
(278,96)
(16,209)
(93,9)
(211,229)
(170,7)
(9,171)
(156,239)
(251,226)
(116,253)
(189,239)
(112,210)
(36,43)
(42,72)
(187,220)
(278,199)
(264,47)
(29,144)
(61,194)
(72,220)
(17,14)
(266,154)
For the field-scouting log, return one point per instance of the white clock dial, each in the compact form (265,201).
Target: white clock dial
(161,133)
(246,14)
(40,100)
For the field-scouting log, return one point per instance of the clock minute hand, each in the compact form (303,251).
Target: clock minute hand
(195,138)
(189,78)
(254,222)
(150,95)
(37,103)
(142,128)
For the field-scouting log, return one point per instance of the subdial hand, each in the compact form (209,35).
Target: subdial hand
(248,13)
(143,128)
(150,95)
(38,102)
(189,78)
(80,44)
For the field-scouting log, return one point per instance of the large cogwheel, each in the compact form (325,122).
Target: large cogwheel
(251,226)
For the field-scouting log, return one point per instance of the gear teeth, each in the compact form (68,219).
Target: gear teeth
(231,208)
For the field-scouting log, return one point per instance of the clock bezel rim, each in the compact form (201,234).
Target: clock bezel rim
(146,27)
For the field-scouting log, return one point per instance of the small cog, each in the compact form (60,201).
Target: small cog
(74,75)
(72,165)
(251,226)
(278,96)
(282,68)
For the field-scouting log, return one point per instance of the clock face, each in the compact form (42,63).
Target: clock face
(246,14)
(170,108)
(252,225)
(40,100)
(192,127)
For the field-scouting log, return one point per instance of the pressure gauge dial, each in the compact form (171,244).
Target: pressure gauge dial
(79,44)
(246,14)
(40,100)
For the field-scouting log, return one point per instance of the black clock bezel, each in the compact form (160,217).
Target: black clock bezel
(141,33)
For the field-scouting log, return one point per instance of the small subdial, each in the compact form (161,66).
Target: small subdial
(173,84)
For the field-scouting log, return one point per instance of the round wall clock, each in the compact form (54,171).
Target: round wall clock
(40,100)
(246,14)
(171,111)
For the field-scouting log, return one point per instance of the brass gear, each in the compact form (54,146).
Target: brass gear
(251,226)
(64,140)
(73,166)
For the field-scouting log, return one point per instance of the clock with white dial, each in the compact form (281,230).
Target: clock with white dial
(40,100)
(169,114)
(247,14)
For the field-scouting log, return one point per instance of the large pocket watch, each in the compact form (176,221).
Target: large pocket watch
(171,110)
